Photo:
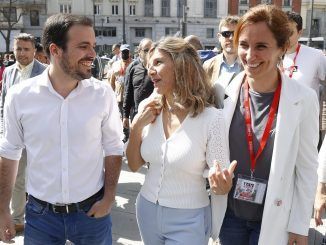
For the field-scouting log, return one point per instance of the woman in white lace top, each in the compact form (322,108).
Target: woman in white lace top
(181,136)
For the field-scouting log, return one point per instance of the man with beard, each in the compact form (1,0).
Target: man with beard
(222,68)
(25,67)
(69,123)
(138,85)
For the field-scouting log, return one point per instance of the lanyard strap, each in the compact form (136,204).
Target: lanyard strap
(249,131)
(292,68)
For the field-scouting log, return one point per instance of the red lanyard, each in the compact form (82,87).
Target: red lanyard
(292,68)
(249,132)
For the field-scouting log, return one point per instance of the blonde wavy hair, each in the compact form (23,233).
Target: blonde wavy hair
(192,88)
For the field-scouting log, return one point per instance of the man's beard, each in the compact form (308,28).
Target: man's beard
(72,71)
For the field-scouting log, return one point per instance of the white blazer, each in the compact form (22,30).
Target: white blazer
(293,174)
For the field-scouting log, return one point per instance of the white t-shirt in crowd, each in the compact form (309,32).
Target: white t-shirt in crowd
(310,66)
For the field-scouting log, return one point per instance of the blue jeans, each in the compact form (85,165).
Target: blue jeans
(239,231)
(43,226)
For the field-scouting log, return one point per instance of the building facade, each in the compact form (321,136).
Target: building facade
(143,18)
(146,18)
(149,18)
(317,25)
(24,16)
(239,7)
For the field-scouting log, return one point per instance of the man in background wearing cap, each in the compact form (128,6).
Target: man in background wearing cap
(117,79)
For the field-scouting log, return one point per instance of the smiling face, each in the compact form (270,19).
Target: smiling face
(258,51)
(76,60)
(161,71)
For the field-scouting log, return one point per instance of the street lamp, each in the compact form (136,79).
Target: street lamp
(184,19)
(123,23)
(309,43)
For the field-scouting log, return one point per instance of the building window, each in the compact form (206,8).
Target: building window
(140,32)
(165,8)
(181,4)
(112,31)
(9,14)
(65,8)
(315,27)
(170,31)
(106,32)
(286,3)
(115,9)
(149,8)
(242,11)
(107,19)
(210,10)
(34,18)
(210,33)
(97,9)
(132,9)
(243,2)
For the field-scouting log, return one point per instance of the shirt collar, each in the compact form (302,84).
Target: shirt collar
(44,80)
(28,67)
(236,62)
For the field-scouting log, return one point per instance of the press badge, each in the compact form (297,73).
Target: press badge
(250,189)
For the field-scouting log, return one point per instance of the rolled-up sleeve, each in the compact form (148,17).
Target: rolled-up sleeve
(11,144)
(112,127)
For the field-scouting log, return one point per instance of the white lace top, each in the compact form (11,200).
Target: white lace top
(177,165)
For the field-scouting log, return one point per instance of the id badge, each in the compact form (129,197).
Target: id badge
(250,189)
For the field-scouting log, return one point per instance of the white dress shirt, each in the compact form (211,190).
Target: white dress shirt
(65,138)
(175,176)
(26,71)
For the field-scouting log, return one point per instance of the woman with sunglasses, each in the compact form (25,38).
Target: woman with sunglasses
(180,134)
(273,133)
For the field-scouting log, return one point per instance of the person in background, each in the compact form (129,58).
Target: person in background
(180,134)
(11,60)
(320,199)
(40,55)
(2,68)
(195,42)
(222,68)
(5,59)
(138,85)
(272,122)
(69,123)
(25,67)
(97,68)
(117,80)
(305,64)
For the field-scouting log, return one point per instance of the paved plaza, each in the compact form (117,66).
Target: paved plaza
(125,230)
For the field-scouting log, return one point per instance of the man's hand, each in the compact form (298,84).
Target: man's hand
(320,203)
(221,180)
(7,227)
(296,239)
(99,209)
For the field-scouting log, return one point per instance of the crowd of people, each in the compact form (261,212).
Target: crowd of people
(230,141)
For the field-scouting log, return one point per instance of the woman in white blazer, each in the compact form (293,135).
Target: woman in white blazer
(273,134)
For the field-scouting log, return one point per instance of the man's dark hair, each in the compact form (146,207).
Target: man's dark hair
(56,29)
(39,47)
(295,17)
